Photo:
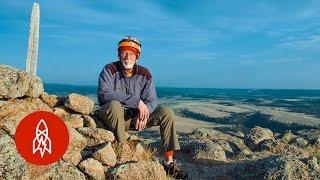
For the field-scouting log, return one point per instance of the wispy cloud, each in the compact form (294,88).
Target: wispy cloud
(240,35)
(310,42)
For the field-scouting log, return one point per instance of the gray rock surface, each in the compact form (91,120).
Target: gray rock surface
(106,155)
(12,166)
(79,103)
(93,168)
(96,136)
(257,135)
(16,83)
(76,144)
(12,112)
(139,170)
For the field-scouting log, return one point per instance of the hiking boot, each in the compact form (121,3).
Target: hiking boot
(175,170)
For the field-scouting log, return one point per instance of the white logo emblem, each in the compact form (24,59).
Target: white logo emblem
(42,141)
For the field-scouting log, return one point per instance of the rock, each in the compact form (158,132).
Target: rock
(124,153)
(59,170)
(281,148)
(89,121)
(131,151)
(73,120)
(50,100)
(293,151)
(16,83)
(139,170)
(309,134)
(93,168)
(76,145)
(237,144)
(61,111)
(226,146)
(239,134)
(77,141)
(274,167)
(79,103)
(291,168)
(3,102)
(287,137)
(272,145)
(208,153)
(300,142)
(12,166)
(257,135)
(133,137)
(65,170)
(317,142)
(106,155)
(96,136)
(138,153)
(14,111)
(73,157)
(313,165)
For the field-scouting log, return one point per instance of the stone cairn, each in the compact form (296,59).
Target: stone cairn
(93,152)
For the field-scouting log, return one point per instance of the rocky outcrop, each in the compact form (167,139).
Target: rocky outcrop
(139,170)
(274,167)
(79,103)
(12,166)
(76,145)
(288,137)
(106,155)
(73,120)
(96,136)
(62,111)
(257,135)
(52,100)
(93,168)
(12,112)
(92,151)
(233,145)
(59,170)
(89,121)
(15,83)
(208,153)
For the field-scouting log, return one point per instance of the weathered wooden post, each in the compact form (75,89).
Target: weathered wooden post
(32,54)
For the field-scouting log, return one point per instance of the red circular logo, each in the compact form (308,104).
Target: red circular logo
(41,138)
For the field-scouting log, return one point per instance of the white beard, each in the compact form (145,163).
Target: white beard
(128,65)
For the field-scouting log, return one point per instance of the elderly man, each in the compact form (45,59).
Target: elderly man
(128,100)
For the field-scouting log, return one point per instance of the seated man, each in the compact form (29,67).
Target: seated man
(127,99)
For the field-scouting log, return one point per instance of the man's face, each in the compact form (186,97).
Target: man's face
(128,59)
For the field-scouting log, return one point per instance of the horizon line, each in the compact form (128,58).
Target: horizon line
(201,87)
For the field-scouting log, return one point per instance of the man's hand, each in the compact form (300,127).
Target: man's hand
(143,116)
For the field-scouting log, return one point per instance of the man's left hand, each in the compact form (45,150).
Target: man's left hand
(143,117)
(140,124)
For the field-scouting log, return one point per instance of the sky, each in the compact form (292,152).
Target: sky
(199,44)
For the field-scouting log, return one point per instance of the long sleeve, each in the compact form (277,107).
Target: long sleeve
(149,96)
(106,92)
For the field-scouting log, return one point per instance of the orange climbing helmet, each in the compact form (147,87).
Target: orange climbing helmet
(130,43)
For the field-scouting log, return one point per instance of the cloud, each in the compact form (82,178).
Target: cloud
(309,42)
(147,20)
(199,56)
